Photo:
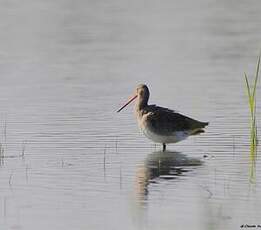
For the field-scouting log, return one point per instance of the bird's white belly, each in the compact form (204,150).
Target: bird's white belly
(158,138)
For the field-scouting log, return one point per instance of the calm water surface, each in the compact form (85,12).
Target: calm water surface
(67,66)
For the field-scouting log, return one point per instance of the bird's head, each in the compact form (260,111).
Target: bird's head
(141,92)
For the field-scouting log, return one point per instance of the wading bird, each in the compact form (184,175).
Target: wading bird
(162,125)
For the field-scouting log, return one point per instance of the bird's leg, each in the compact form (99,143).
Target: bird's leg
(164,147)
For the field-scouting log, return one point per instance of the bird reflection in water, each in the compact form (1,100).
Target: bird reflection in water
(161,166)
(158,166)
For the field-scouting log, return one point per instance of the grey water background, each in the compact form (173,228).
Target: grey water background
(67,66)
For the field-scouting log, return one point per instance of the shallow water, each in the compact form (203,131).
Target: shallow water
(67,66)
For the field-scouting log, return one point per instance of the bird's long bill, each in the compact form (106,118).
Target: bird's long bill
(128,102)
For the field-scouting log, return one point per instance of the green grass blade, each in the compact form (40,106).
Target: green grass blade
(256,77)
(251,92)
(250,101)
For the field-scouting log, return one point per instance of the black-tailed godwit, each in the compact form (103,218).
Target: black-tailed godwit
(162,125)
